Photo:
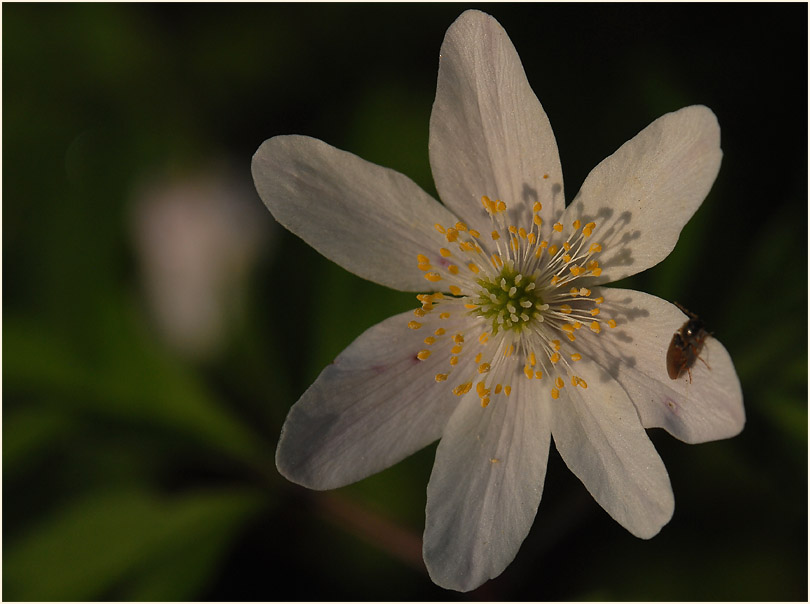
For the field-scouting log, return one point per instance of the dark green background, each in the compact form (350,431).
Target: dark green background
(133,472)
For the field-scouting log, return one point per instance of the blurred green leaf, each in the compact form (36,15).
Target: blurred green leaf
(103,540)
(129,378)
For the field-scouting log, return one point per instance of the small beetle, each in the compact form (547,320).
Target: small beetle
(684,349)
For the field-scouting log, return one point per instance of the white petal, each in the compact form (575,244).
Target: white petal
(373,406)
(489,134)
(642,196)
(485,487)
(599,436)
(370,220)
(635,352)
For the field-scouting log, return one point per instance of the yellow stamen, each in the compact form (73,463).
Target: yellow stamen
(559,382)
(483,368)
(555,394)
(439,332)
(445,252)
(429,340)
(473,267)
(441,377)
(414,324)
(440,228)
(433,277)
(462,389)
(576,357)
(455,290)
(507,390)
(422,354)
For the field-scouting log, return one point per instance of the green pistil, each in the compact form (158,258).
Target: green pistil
(509,301)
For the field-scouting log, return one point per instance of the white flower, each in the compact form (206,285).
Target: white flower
(518,342)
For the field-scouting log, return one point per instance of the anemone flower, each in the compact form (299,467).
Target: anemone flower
(515,340)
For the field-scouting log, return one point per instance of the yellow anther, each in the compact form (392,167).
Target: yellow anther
(566,258)
(582,383)
(611,323)
(537,220)
(441,377)
(522,233)
(594,312)
(496,260)
(455,290)
(552,249)
(528,372)
(577,324)
(554,279)
(422,354)
(559,382)
(537,206)
(460,226)
(571,336)
(532,238)
(429,340)
(554,357)
(481,389)
(507,390)
(558,227)
(515,243)
(556,344)
(474,233)
(555,394)
(440,331)
(509,351)
(474,267)
(577,224)
(445,252)
(433,277)
(584,291)
(574,291)
(453,269)
(596,272)
(543,245)
(513,229)
(440,228)
(498,388)
(456,349)
(599,300)
(576,270)
(588,230)
(451,235)
(566,246)
(444,315)
(458,338)
(462,389)
(471,306)
(532,359)
(500,206)
(495,235)
(454,361)
(595,248)
(595,327)
(414,324)
(565,309)
(419,312)
(538,375)
(593,264)
(483,337)
(484,403)
(576,357)
(569,327)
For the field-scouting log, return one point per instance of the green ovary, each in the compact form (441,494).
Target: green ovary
(510,300)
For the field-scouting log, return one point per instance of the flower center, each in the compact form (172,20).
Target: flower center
(511,306)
